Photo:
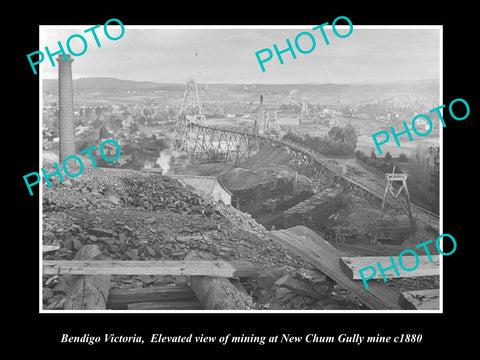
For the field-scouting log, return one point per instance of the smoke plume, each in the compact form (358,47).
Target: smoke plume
(164,161)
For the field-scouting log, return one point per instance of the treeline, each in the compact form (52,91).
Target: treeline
(424,178)
(340,141)
(422,169)
(384,164)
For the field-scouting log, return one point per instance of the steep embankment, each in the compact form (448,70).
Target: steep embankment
(133,215)
(268,155)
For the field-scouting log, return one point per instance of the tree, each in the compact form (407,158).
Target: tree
(388,157)
(97,123)
(134,128)
(147,112)
(373,156)
(423,180)
(295,138)
(350,135)
(171,114)
(336,133)
(346,136)
(104,134)
(340,141)
(56,119)
(98,111)
(90,115)
(402,158)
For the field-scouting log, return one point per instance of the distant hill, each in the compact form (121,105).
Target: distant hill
(106,83)
(423,91)
(110,84)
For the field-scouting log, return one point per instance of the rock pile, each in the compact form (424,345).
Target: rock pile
(108,188)
(131,215)
(301,289)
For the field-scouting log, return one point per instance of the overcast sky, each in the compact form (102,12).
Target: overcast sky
(226,55)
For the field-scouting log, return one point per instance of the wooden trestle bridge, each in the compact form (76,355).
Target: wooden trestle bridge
(206,143)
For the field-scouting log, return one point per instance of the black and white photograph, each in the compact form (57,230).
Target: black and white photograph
(260,184)
(201,188)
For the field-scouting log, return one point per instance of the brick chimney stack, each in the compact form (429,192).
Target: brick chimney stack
(65,103)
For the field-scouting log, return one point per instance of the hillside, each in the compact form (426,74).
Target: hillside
(111,84)
(423,92)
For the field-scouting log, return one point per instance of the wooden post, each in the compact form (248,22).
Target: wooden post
(215,293)
(236,158)
(88,292)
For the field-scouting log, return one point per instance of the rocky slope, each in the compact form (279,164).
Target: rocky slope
(133,215)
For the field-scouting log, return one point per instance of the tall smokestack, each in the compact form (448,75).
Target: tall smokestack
(65,104)
(259,121)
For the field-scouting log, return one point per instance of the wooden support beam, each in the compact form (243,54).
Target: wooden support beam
(352,265)
(88,292)
(216,293)
(420,300)
(307,244)
(181,305)
(118,299)
(110,267)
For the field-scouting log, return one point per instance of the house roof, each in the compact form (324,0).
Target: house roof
(205,184)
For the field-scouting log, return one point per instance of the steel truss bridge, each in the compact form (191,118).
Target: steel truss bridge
(206,143)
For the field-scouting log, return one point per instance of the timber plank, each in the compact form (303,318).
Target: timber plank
(352,265)
(166,305)
(420,299)
(120,298)
(187,268)
(307,244)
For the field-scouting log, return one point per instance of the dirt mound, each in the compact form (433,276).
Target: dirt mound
(275,154)
(241,179)
(269,154)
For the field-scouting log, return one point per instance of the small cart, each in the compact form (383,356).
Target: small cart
(340,234)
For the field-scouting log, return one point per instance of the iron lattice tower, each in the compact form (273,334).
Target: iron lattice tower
(267,120)
(271,123)
(191,106)
(191,111)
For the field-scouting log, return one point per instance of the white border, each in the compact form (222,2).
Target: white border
(305,312)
